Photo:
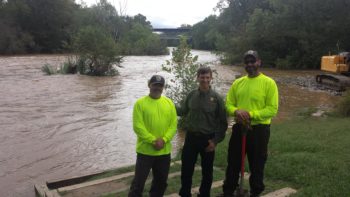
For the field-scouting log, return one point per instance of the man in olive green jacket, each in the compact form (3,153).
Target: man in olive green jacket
(155,123)
(205,126)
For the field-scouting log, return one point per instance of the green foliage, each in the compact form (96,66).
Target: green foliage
(287,33)
(13,39)
(43,26)
(97,52)
(68,67)
(183,66)
(49,22)
(47,69)
(141,41)
(205,34)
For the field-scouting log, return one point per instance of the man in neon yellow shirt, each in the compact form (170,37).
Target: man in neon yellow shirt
(154,123)
(253,101)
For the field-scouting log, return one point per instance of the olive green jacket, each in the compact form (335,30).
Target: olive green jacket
(204,112)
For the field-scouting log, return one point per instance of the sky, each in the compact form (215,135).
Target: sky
(165,13)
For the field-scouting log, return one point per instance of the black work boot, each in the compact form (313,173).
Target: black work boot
(254,195)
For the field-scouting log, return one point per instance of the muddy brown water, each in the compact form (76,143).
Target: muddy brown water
(61,126)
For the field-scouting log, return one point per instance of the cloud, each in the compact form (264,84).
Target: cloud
(167,13)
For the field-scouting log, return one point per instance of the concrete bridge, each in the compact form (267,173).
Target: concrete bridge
(172,30)
(172,35)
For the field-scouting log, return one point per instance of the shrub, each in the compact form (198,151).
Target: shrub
(47,69)
(183,66)
(97,52)
(68,67)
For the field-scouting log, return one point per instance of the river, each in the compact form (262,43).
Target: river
(61,126)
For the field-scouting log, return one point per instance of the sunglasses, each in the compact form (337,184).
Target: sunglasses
(250,61)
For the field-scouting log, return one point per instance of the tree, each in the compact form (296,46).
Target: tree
(13,39)
(205,34)
(97,52)
(183,66)
(140,40)
(287,33)
(49,22)
(41,26)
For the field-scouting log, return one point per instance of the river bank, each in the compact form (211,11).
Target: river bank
(57,127)
(306,157)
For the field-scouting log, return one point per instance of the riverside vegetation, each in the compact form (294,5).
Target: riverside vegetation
(291,34)
(306,153)
(183,66)
(28,28)
(97,36)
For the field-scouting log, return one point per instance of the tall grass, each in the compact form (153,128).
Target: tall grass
(47,69)
(69,66)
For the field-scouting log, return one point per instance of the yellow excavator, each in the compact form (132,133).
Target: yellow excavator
(337,71)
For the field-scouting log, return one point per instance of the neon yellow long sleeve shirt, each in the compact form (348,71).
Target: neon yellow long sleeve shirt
(152,119)
(258,96)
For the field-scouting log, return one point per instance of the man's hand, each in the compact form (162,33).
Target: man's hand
(210,147)
(158,144)
(242,116)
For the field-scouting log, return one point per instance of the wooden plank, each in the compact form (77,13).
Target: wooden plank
(94,182)
(284,192)
(80,179)
(109,179)
(40,190)
(215,184)
(99,181)
(71,181)
(96,190)
(195,190)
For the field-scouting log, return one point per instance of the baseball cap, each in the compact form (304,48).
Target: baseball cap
(251,53)
(157,79)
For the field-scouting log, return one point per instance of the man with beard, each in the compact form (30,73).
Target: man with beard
(155,123)
(205,125)
(253,101)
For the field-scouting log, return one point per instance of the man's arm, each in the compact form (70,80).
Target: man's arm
(169,134)
(139,125)
(232,109)
(222,121)
(231,101)
(221,128)
(183,108)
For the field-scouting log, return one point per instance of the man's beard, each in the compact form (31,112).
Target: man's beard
(251,70)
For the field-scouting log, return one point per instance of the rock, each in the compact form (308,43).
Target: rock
(319,113)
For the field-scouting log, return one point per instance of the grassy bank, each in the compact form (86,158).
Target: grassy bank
(310,155)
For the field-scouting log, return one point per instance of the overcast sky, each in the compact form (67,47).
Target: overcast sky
(165,13)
